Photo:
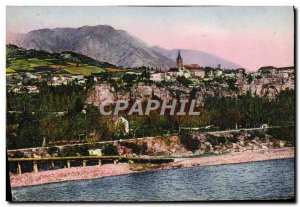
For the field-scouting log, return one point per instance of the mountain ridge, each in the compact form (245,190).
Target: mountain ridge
(107,44)
(101,42)
(192,56)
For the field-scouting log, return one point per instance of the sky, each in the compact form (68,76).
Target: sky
(249,36)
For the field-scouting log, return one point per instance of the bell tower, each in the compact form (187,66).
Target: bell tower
(179,61)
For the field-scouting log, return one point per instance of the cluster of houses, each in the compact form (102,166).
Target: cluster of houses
(22,81)
(66,79)
(194,72)
(271,71)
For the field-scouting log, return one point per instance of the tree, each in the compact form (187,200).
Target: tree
(27,132)
(184,81)
(78,107)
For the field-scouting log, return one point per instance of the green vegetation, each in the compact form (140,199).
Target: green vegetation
(247,111)
(286,133)
(29,64)
(10,70)
(188,142)
(110,149)
(32,117)
(19,59)
(85,70)
(27,129)
(184,81)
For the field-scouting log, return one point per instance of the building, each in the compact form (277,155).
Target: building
(121,123)
(30,75)
(195,70)
(271,70)
(218,72)
(76,76)
(240,70)
(32,89)
(184,72)
(179,61)
(198,73)
(173,72)
(288,70)
(157,76)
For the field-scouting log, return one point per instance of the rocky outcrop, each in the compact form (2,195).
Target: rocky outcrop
(105,94)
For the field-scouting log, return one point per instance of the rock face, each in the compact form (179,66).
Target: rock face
(268,87)
(103,43)
(106,94)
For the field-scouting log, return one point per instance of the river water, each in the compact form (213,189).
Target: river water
(264,180)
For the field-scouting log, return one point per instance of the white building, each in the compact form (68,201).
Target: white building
(122,121)
(157,76)
(197,73)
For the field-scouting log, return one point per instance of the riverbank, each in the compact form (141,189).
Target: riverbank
(90,172)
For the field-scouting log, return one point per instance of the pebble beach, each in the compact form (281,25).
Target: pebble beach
(91,172)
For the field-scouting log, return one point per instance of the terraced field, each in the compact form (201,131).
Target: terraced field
(85,70)
(20,59)
(35,64)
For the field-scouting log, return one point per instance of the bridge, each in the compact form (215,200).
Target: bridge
(84,159)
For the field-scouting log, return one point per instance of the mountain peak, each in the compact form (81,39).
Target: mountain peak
(101,42)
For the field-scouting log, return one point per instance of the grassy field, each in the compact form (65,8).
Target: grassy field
(85,70)
(34,64)
(10,70)
(20,59)
(28,64)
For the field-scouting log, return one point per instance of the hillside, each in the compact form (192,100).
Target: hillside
(102,43)
(20,59)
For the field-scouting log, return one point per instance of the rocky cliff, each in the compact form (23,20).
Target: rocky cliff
(106,94)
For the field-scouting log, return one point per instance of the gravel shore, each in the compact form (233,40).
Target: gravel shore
(90,172)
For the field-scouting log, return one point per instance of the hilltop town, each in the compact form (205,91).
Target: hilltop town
(60,95)
(203,81)
(71,117)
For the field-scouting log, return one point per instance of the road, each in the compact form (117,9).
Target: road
(142,138)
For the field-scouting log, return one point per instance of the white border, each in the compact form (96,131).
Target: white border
(5,3)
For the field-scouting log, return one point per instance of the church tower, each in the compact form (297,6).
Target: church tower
(179,60)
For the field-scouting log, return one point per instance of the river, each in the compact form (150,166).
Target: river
(265,180)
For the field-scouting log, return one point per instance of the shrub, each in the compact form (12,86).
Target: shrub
(136,148)
(285,133)
(110,149)
(52,150)
(188,142)
(18,154)
(83,150)
(67,151)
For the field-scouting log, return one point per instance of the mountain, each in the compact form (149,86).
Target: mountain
(102,42)
(196,57)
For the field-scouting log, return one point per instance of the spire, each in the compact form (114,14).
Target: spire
(179,60)
(179,56)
